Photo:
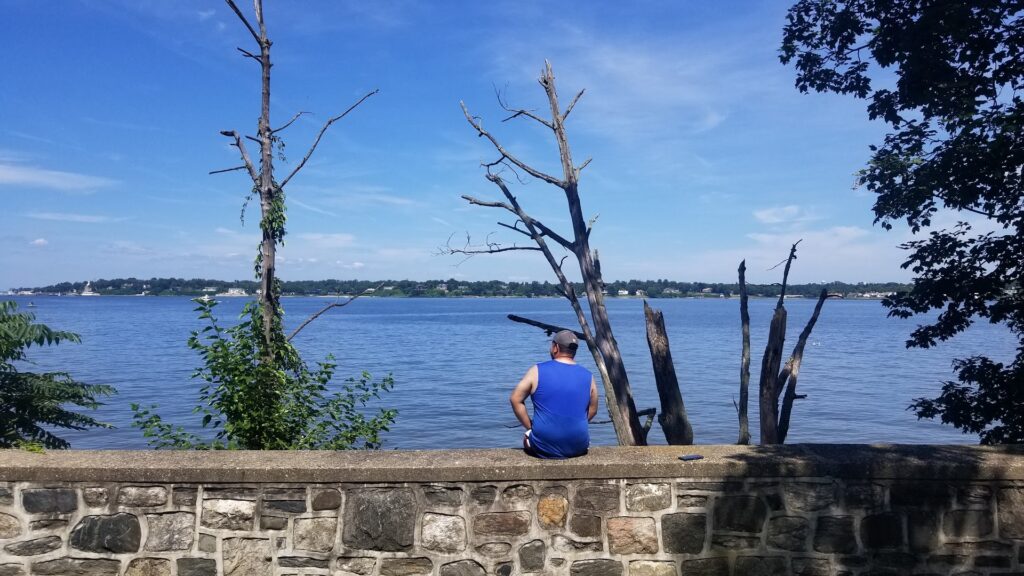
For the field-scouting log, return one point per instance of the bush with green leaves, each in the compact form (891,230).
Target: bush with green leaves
(249,403)
(34,404)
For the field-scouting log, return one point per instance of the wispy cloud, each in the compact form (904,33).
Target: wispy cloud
(324,240)
(71,217)
(20,175)
(784,215)
(205,15)
(310,207)
(39,242)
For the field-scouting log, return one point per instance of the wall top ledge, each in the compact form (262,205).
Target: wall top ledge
(720,461)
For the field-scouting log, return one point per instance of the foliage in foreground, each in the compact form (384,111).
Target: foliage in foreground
(33,403)
(251,404)
(957,144)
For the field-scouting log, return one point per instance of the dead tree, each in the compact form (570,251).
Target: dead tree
(741,408)
(673,419)
(597,330)
(269,190)
(775,424)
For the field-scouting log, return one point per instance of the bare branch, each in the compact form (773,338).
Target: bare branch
(515,227)
(505,155)
(242,167)
(244,20)
(582,166)
(549,329)
(572,104)
(254,139)
(741,408)
(244,153)
(248,54)
(288,123)
(785,273)
(321,135)
(330,306)
(791,371)
(526,218)
(487,203)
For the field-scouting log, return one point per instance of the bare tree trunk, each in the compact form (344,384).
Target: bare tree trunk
(792,370)
(673,419)
(741,409)
(600,341)
(770,362)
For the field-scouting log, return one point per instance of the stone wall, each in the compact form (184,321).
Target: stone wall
(741,512)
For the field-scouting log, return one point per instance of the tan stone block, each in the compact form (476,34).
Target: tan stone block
(552,510)
(628,535)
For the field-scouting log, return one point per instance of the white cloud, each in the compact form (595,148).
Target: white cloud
(70,217)
(17,175)
(784,214)
(205,15)
(351,265)
(39,242)
(322,240)
(310,207)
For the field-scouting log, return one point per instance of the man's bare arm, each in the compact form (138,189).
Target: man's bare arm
(522,390)
(592,408)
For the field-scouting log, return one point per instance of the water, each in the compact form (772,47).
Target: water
(455,361)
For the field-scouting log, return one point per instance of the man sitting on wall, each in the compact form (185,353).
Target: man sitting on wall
(564,401)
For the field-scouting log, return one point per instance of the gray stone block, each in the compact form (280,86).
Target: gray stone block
(532,556)
(740,513)
(504,569)
(230,493)
(922,530)
(196,567)
(96,496)
(285,506)
(228,514)
(747,542)
(12,570)
(880,531)
(49,500)
(149,567)
(360,565)
(34,547)
(443,495)
(865,495)
(599,567)
(6,495)
(326,499)
(927,494)
(647,497)
(691,501)
(302,562)
(495,549)
(48,524)
(788,533)
(380,519)
(975,495)
(958,524)
(501,523)
(184,495)
(273,522)
(585,525)
(443,532)
(142,496)
(172,531)
(79,567)
(683,533)
(1011,512)
(652,568)
(597,497)
(10,526)
(562,544)
(247,557)
(834,534)
(406,567)
(809,496)
(811,567)
(706,567)
(518,494)
(993,562)
(207,543)
(116,534)
(484,495)
(315,534)
(462,568)
(762,566)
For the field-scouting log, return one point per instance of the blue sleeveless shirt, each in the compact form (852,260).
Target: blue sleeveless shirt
(560,428)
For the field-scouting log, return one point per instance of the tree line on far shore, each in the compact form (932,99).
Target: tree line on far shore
(455,288)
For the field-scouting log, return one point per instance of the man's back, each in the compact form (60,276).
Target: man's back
(560,405)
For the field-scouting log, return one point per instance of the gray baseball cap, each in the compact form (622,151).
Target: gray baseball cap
(566,339)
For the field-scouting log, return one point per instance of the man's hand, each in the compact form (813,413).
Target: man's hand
(524,389)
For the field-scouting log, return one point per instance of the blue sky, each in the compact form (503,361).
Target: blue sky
(703,152)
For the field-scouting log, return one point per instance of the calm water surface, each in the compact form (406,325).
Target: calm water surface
(455,360)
